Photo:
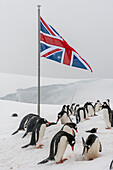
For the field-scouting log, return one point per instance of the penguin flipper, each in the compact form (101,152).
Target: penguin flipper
(44,161)
(15,132)
(88,131)
(100,149)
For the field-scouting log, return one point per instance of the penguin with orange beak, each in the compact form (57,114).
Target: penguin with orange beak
(38,133)
(58,146)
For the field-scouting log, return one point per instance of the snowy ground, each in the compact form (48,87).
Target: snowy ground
(12,156)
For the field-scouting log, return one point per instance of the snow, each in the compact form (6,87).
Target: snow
(12,156)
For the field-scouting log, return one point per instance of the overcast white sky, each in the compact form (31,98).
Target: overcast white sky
(87,25)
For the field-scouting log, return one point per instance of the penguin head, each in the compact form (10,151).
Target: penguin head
(44,121)
(71,141)
(104,106)
(60,115)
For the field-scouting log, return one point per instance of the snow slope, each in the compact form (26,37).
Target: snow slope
(12,156)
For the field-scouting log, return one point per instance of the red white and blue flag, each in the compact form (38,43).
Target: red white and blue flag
(54,47)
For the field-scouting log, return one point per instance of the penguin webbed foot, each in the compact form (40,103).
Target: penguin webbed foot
(40,146)
(61,161)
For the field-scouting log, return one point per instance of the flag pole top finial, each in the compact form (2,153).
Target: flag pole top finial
(38,6)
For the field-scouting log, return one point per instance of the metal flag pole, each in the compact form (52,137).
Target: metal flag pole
(38,105)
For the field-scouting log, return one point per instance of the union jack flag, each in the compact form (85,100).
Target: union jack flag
(54,47)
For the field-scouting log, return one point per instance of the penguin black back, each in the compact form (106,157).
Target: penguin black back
(35,132)
(54,145)
(31,124)
(24,122)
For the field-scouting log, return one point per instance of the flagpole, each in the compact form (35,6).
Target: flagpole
(38,105)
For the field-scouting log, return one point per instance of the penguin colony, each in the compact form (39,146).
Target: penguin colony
(69,116)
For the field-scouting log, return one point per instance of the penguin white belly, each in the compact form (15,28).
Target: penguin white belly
(65,119)
(81,116)
(41,134)
(97,107)
(93,151)
(90,110)
(61,149)
(106,118)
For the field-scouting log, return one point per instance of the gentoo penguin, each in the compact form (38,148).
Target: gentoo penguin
(31,124)
(97,106)
(70,128)
(73,105)
(63,116)
(111,165)
(90,108)
(24,122)
(81,114)
(94,130)
(108,115)
(38,133)
(58,146)
(108,102)
(92,147)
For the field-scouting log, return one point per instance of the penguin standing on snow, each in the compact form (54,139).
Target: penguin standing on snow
(24,122)
(81,114)
(64,115)
(108,115)
(97,106)
(58,146)
(90,108)
(38,133)
(92,147)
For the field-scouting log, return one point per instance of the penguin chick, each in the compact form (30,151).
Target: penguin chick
(94,130)
(92,147)
(58,146)
(24,122)
(38,133)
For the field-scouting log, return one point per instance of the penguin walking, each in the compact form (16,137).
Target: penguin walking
(92,147)
(93,130)
(64,115)
(90,108)
(58,146)
(24,122)
(108,115)
(38,133)
(70,128)
(31,124)
(97,106)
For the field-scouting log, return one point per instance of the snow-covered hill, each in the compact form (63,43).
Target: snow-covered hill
(78,92)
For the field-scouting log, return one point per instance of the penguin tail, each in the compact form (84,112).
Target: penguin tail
(15,132)
(24,135)
(44,161)
(25,146)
